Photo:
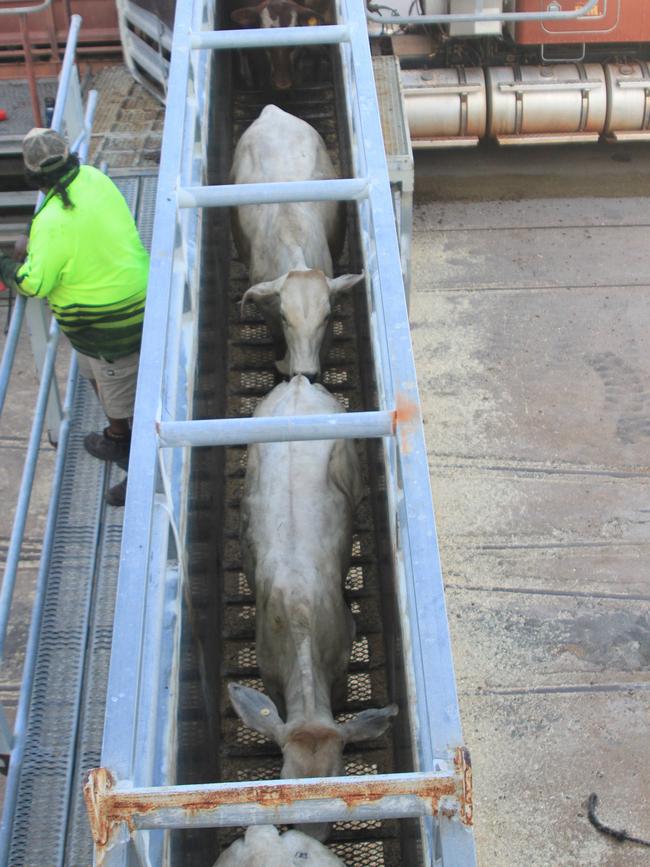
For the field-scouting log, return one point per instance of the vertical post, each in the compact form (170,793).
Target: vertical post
(31,74)
(51,29)
(35,311)
(36,318)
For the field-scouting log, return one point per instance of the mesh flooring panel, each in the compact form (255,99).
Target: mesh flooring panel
(66,721)
(39,826)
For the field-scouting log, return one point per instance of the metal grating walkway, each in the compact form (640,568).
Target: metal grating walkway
(66,718)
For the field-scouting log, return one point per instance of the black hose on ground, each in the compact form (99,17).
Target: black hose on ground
(622,836)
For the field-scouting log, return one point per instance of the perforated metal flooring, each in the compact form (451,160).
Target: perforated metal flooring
(66,718)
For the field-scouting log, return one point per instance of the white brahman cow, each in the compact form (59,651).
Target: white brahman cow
(264,846)
(296,538)
(288,246)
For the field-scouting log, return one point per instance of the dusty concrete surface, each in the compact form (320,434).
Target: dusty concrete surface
(530,316)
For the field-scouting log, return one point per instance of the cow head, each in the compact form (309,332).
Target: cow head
(277,13)
(301,302)
(309,749)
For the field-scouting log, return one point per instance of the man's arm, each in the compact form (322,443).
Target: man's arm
(46,256)
(8,270)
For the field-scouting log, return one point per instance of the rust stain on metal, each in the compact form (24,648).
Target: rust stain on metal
(463,763)
(108,807)
(406,412)
(97,787)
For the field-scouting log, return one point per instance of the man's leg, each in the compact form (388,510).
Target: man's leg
(116,383)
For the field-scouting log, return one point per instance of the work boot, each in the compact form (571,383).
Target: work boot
(107,446)
(116,496)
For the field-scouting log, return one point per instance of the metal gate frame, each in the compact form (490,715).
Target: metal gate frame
(130,793)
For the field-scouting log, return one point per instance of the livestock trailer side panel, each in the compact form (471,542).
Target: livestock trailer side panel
(608,21)
(45,32)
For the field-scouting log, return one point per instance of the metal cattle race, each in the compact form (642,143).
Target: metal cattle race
(130,793)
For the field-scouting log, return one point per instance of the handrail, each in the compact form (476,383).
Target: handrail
(25,10)
(31,458)
(13,334)
(47,378)
(461,17)
(26,485)
(29,666)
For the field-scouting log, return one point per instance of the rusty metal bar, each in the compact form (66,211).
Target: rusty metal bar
(31,75)
(51,30)
(329,799)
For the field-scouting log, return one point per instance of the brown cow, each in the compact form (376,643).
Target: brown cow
(282,13)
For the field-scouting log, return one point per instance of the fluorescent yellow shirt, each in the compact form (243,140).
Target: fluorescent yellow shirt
(89,262)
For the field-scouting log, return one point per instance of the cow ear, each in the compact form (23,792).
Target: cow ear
(257,711)
(246,17)
(368,724)
(344,283)
(261,292)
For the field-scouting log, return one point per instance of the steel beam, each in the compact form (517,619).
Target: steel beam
(229,195)
(323,799)
(326,34)
(241,431)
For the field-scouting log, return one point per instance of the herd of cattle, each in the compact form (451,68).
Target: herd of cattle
(299,497)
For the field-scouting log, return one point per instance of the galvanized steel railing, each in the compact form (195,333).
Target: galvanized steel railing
(131,790)
(48,386)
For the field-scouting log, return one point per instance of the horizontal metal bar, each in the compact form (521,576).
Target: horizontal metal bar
(431,89)
(227,195)
(548,138)
(241,431)
(25,10)
(268,37)
(458,17)
(634,84)
(326,799)
(553,86)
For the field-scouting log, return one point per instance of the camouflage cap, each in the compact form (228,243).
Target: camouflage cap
(44,150)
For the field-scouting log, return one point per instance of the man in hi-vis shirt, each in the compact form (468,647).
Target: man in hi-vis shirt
(85,256)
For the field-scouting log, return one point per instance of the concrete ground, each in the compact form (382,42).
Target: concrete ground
(530,315)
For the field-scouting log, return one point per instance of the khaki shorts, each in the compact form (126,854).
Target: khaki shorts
(116,382)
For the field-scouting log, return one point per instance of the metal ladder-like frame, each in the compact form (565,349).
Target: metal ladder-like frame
(129,795)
